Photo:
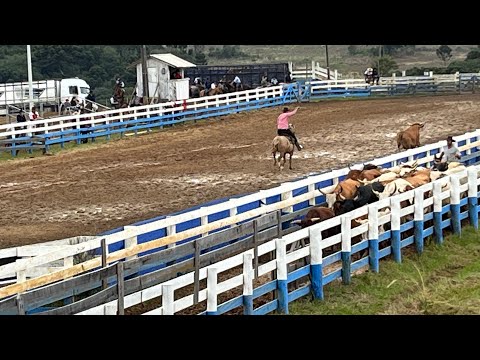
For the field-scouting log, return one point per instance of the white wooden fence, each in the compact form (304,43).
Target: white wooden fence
(314,71)
(426,200)
(129,235)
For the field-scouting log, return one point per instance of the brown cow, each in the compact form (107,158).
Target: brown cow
(315,215)
(346,189)
(410,138)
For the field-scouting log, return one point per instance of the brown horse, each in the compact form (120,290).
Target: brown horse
(118,98)
(210,92)
(284,146)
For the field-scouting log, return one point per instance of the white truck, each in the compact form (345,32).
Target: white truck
(46,94)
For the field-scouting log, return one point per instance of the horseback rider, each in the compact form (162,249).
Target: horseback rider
(283,126)
(119,93)
(237,83)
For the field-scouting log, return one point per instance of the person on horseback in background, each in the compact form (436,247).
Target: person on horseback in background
(283,128)
(237,83)
(264,80)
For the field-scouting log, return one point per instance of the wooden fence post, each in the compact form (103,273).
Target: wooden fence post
(120,289)
(281,252)
(473,197)
(437,212)
(104,261)
(196,275)
(247,284)
(316,256)
(168,299)
(212,278)
(373,241)
(20,305)
(346,225)
(455,204)
(255,247)
(418,220)
(395,230)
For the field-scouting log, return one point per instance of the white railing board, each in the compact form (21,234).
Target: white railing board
(187,301)
(357,230)
(428,202)
(407,210)
(296,236)
(230,284)
(384,219)
(267,267)
(332,240)
(326,224)
(298,254)
(157,311)
(35,250)
(361,211)
(8,253)
(23,264)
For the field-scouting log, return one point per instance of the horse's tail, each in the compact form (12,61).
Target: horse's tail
(275,143)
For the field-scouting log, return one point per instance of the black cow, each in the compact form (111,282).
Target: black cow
(365,195)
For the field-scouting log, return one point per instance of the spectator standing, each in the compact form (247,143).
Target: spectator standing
(66,107)
(450,151)
(288,78)
(21,118)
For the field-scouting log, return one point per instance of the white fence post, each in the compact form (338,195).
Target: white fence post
(212,278)
(316,271)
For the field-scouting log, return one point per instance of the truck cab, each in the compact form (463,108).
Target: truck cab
(74,87)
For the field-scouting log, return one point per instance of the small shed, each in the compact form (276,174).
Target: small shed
(166,77)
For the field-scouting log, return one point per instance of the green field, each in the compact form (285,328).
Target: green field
(444,280)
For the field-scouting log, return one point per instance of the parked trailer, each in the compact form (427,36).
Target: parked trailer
(249,74)
(47,93)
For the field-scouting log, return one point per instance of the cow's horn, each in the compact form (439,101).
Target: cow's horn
(341,197)
(322,192)
(315,219)
(296,222)
(377,193)
(394,190)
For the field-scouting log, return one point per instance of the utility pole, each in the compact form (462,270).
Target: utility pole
(30,85)
(145,75)
(328,65)
(379,56)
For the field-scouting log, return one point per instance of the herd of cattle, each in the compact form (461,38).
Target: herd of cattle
(370,184)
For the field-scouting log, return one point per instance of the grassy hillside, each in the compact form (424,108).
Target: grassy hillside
(339,56)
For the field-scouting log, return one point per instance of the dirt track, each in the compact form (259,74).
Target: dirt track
(90,190)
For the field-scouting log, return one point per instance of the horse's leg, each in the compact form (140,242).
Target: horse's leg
(274,153)
(290,159)
(283,161)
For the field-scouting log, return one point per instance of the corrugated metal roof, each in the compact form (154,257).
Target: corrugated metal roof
(173,60)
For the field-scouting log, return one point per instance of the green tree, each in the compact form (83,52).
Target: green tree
(386,65)
(474,54)
(444,52)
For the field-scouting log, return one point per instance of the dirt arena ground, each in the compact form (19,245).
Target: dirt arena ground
(92,189)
